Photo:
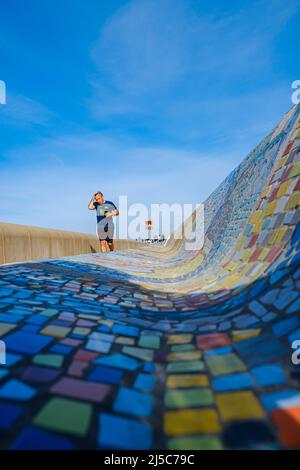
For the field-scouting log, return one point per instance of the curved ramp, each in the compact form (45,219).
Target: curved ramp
(167,347)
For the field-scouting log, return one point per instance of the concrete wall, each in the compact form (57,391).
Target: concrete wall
(24,243)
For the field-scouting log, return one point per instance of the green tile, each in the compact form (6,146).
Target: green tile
(186,366)
(194,443)
(66,416)
(52,360)
(5,328)
(182,347)
(226,364)
(150,341)
(49,312)
(139,353)
(189,398)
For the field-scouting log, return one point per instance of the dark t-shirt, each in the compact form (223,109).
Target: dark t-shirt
(101,208)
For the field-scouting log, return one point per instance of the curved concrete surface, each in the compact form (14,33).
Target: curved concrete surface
(24,243)
(165,347)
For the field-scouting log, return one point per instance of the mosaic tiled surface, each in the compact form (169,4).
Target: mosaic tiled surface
(163,348)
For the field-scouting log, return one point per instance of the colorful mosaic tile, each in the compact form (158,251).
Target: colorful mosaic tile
(164,347)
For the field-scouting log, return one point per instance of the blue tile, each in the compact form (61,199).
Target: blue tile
(17,390)
(123,433)
(3,373)
(144,382)
(271,401)
(9,318)
(259,350)
(218,351)
(12,359)
(285,326)
(106,375)
(118,360)
(61,349)
(37,319)
(294,336)
(31,328)
(149,367)
(8,414)
(233,382)
(269,375)
(26,343)
(36,439)
(132,402)
(125,330)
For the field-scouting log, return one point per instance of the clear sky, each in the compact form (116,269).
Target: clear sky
(155,99)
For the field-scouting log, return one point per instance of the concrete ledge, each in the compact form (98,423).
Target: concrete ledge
(25,243)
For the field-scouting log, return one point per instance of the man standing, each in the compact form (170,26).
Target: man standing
(105,211)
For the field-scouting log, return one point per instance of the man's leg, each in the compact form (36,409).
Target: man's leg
(103,246)
(111,245)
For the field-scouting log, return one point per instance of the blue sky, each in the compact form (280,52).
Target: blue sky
(155,99)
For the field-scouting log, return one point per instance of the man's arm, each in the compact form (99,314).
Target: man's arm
(91,204)
(115,212)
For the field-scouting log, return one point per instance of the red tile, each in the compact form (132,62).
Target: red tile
(212,341)
(274,194)
(91,391)
(288,148)
(77,368)
(252,240)
(87,356)
(272,255)
(256,254)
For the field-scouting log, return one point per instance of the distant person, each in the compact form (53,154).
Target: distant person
(105,211)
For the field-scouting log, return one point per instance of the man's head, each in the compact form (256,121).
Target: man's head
(99,197)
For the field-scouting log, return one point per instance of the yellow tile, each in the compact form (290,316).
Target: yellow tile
(180,339)
(258,226)
(283,189)
(238,405)
(263,254)
(281,162)
(247,253)
(240,243)
(231,280)
(276,235)
(108,323)
(187,380)
(255,217)
(125,340)
(270,208)
(56,331)
(265,192)
(294,201)
(81,331)
(280,234)
(184,356)
(178,423)
(245,334)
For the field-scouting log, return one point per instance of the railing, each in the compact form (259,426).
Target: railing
(25,243)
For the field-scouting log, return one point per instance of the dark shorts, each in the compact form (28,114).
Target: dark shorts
(107,239)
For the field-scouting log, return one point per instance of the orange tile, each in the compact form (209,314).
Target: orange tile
(287,421)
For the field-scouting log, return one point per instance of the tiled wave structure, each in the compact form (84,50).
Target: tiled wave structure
(164,348)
